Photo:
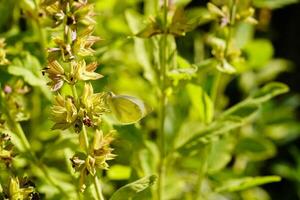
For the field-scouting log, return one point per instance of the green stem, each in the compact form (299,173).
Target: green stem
(98,188)
(22,136)
(85,138)
(40,30)
(162,107)
(215,88)
(74,92)
(214,96)
(96,181)
(201,171)
(233,8)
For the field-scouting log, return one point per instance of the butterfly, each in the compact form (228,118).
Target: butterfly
(127,109)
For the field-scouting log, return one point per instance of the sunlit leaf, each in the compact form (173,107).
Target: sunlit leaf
(119,172)
(255,148)
(269,91)
(208,134)
(273,4)
(152,28)
(232,118)
(201,102)
(259,52)
(130,190)
(180,24)
(30,70)
(245,183)
(220,154)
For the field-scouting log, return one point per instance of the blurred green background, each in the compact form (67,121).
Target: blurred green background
(269,146)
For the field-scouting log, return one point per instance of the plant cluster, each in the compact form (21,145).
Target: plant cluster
(65,135)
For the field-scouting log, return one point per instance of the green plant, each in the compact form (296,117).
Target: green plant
(187,140)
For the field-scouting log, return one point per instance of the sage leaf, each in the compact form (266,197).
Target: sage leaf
(201,103)
(130,190)
(232,118)
(235,185)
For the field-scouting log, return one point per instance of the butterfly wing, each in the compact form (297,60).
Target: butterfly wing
(128,109)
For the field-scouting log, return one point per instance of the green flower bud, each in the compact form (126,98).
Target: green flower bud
(3,60)
(16,192)
(63,112)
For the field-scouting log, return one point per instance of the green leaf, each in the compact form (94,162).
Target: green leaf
(198,16)
(235,185)
(269,91)
(152,28)
(28,5)
(208,134)
(201,102)
(119,172)
(273,4)
(183,72)
(130,190)
(242,110)
(17,142)
(220,154)
(127,109)
(180,24)
(140,46)
(273,68)
(259,52)
(255,148)
(251,104)
(30,70)
(28,76)
(149,158)
(181,2)
(232,118)
(287,171)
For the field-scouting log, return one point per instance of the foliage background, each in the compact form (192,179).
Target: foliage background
(124,75)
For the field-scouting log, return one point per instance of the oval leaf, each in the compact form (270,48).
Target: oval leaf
(269,91)
(128,191)
(201,102)
(245,183)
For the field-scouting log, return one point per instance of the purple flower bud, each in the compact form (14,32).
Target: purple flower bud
(224,21)
(7,89)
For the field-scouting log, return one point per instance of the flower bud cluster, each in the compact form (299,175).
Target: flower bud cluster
(67,65)
(99,153)
(226,54)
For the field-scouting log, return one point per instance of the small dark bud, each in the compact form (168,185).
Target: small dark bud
(87,121)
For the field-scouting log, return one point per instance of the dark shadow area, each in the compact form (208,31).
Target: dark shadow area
(285,32)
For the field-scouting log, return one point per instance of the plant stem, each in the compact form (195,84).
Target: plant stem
(74,92)
(96,181)
(215,88)
(40,30)
(233,8)
(87,149)
(98,188)
(201,171)
(162,102)
(214,94)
